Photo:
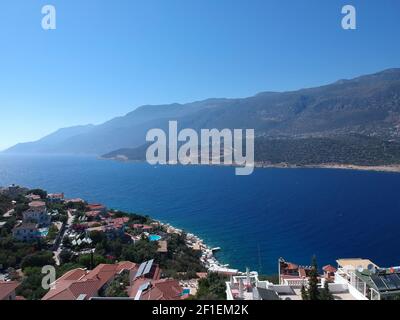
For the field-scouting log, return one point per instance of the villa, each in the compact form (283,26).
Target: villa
(33,197)
(144,283)
(75,201)
(55,197)
(37,213)
(80,284)
(26,232)
(367,281)
(142,227)
(114,228)
(96,207)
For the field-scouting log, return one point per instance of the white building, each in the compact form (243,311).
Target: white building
(366,281)
(26,232)
(37,213)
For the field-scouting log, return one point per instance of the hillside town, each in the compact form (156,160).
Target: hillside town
(100,253)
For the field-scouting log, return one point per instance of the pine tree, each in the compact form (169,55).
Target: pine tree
(326,293)
(304,295)
(313,291)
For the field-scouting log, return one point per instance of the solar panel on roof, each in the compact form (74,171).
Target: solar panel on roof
(396,279)
(388,280)
(148,267)
(140,270)
(378,282)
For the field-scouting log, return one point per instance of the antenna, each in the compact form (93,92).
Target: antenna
(259,260)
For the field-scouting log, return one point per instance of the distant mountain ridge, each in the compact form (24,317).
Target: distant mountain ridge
(368,105)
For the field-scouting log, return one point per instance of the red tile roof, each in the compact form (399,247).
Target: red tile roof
(71,290)
(78,281)
(7,288)
(36,204)
(329,269)
(163,290)
(96,206)
(93,213)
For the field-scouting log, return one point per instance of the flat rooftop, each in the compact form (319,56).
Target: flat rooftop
(356,263)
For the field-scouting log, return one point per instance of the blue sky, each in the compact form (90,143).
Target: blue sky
(108,57)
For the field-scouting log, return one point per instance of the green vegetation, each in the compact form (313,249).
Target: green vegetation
(117,288)
(13,252)
(31,286)
(38,192)
(271,278)
(53,231)
(325,293)
(212,288)
(313,292)
(5,204)
(37,259)
(346,149)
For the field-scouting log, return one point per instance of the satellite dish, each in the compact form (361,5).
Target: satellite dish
(371,268)
(360,269)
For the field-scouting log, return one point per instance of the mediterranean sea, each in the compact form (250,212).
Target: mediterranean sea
(290,213)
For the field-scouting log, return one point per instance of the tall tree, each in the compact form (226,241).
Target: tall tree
(326,293)
(304,294)
(313,291)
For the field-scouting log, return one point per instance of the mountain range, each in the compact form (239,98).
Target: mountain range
(367,107)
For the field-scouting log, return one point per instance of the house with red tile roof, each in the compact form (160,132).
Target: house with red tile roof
(145,283)
(55,197)
(26,232)
(293,274)
(142,227)
(84,285)
(75,201)
(329,272)
(95,214)
(7,290)
(166,289)
(96,207)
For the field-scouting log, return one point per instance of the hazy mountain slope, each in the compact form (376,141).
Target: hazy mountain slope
(368,105)
(51,141)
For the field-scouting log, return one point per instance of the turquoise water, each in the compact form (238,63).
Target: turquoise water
(154,237)
(44,232)
(290,213)
(185,292)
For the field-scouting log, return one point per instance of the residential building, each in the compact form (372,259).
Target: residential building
(80,284)
(33,197)
(144,279)
(7,290)
(329,273)
(55,197)
(292,274)
(114,228)
(26,232)
(37,213)
(96,207)
(367,281)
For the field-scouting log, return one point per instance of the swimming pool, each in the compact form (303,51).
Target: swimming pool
(43,232)
(154,237)
(185,292)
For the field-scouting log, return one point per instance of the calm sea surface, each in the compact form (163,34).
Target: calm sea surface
(290,213)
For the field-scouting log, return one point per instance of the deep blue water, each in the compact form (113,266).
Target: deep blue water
(293,213)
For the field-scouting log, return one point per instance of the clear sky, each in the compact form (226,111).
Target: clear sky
(107,57)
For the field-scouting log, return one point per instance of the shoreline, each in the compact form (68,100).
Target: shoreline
(393,168)
(208,259)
